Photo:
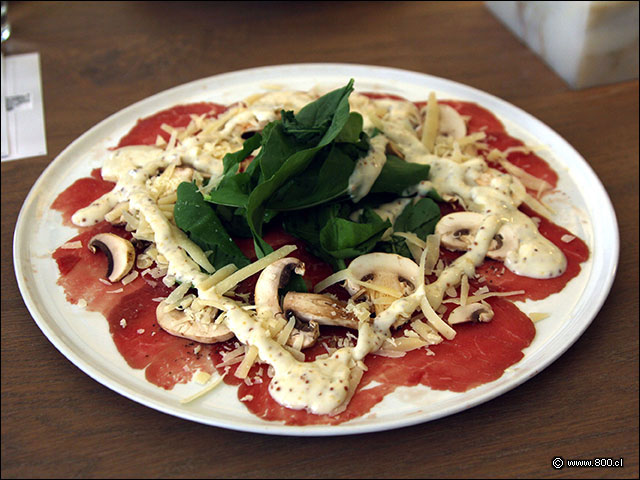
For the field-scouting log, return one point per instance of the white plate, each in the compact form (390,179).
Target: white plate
(89,346)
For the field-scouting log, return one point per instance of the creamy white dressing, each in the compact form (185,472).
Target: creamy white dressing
(131,168)
(465,264)
(368,169)
(320,386)
(536,256)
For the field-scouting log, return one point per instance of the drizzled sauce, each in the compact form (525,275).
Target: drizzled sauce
(478,354)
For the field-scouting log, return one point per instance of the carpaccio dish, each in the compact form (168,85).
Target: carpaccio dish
(317,251)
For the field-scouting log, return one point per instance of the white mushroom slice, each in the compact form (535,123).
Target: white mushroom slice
(272,278)
(120,254)
(451,123)
(267,300)
(390,277)
(474,312)
(458,230)
(324,310)
(178,323)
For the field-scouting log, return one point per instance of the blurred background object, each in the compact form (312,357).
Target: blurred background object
(6,26)
(586,43)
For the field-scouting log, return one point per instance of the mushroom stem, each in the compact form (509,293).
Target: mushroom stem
(313,307)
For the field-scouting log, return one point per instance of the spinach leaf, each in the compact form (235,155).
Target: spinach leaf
(296,284)
(198,219)
(234,220)
(419,218)
(304,134)
(317,122)
(397,175)
(343,238)
(234,188)
(326,179)
(231,161)
(395,244)
(232,191)
(276,148)
(352,129)
(332,235)
(333,106)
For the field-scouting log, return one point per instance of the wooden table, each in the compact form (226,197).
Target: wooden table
(98,58)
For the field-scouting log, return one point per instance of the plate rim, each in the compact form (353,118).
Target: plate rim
(370,71)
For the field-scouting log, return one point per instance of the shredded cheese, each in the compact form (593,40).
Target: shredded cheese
(426,332)
(175,297)
(217,277)
(433,252)
(404,344)
(431,122)
(235,278)
(464,289)
(436,322)
(537,316)
(284,334)
(72,245)
(130,277)
(339,276)
(204,391)
(247,362)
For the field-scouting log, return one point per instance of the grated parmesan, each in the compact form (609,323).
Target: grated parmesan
(72,245)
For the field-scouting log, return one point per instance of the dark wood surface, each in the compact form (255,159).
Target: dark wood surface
(98,58)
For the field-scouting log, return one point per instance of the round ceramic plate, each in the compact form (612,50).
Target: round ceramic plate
(86,341)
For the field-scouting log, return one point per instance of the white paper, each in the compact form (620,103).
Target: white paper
(5,137)
(23,132)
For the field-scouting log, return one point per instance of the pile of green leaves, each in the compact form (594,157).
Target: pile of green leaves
(299,179)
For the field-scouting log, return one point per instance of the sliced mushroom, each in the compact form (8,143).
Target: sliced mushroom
(474,312)
(309,331)
(458,230)
(453,198)
(267,300)
(120,254)
(451,122)
(394,275)
(180,324)
(272,278)
(321,309)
